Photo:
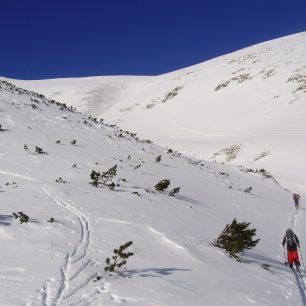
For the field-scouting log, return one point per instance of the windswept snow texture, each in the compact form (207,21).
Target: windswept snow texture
(254,98)
(174,263)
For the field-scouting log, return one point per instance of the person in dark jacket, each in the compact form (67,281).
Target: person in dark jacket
(292,243)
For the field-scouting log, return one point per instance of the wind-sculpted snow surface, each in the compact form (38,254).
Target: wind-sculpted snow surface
(174,264)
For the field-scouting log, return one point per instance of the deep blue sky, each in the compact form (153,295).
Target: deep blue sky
(67,38)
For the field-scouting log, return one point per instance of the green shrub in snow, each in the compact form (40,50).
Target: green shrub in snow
(39,150)
(23,218)
(98,178)
(162,185)
(119,258)
(248,190)
(236,238)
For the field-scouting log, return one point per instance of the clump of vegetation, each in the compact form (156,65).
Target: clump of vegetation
(26,147)
(60,180)
(136,167)
(162,185)
(39,150)
(13,184)
(174,191)
(23,218)
(58,142)
(263,172)
(51,220)
(236,238)
(267,267)
(158,158)
(95,178)
(230,152)
(73,142)
(171,94)
(248,190)
(239,79)
(112,186)
(104,178)
(119,258)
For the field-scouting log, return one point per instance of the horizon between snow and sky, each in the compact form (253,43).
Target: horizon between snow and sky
(51,39)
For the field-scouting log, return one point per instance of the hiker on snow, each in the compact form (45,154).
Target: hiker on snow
(296,198)
(292,245)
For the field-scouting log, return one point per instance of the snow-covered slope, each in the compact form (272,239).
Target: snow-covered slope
(174,263)
(252,102)
(91,94)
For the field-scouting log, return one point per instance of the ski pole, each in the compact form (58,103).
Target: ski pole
(285,256)
(302,258)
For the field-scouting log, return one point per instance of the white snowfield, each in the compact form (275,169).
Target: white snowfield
(174,262)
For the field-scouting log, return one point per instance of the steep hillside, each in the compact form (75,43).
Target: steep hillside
(47,153)
(252,102)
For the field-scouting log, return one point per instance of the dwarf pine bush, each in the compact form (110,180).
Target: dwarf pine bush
(39,150)
(236,238)
(23,218)
(104,178)
(162,185)
(119,258)
(248,190)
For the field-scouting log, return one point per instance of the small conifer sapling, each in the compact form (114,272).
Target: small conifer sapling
(119,258)
(162,185)
(236,238)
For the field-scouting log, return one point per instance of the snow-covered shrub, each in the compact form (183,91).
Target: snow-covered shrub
(162,185)
(39,150)
(23,218)
(60,180)
(236,238)
(248,190)
(136,167)
(119,258)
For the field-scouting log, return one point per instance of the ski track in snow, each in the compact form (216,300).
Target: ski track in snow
(75,264)
(18,175)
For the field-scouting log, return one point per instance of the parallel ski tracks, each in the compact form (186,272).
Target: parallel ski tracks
(75,263)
